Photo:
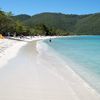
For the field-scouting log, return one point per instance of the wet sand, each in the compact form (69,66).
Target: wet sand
(34,75)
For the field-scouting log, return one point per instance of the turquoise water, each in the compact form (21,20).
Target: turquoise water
(82,54)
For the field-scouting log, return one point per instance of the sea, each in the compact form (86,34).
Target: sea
(82,54)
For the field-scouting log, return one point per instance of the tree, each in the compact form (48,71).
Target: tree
(41,29)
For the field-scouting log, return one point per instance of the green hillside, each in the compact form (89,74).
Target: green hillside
(21,17)
(89,25)
(54,20)
(51,24)
(74,24)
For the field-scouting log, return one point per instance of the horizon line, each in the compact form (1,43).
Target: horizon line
(56,13)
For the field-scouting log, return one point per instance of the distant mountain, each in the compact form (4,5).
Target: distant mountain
(21,17)
(88,25)
(54,20)
(76,24)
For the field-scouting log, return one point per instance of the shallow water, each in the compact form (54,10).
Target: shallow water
(82,53)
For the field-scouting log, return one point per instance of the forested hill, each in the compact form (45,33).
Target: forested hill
(21,17)
(54,20)
(50,24)
(72,24)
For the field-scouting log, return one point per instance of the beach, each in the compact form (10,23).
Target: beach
(30,72)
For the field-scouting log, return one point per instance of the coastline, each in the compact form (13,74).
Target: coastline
(11,46)
(48,80)
(69,75)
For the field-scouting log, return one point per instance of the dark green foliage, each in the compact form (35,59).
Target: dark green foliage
(41,29)
(6,23)
(61,24)
(10,25)
(50,24)
(89,25)
(53,20)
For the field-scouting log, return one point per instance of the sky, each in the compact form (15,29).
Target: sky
(32,7)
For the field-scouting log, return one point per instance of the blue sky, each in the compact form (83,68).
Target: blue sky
(32,7)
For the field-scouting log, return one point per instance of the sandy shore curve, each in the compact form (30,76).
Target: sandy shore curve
(34,75)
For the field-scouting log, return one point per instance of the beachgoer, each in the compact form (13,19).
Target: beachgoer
(50,40)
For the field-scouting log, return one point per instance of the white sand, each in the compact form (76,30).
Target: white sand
(8,50)
(37,74)
(10,47)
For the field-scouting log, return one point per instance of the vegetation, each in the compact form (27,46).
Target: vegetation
(49,24)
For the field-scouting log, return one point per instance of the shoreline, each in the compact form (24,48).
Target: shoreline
(72,74)
(13,45)
(69,63)
(47,66)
